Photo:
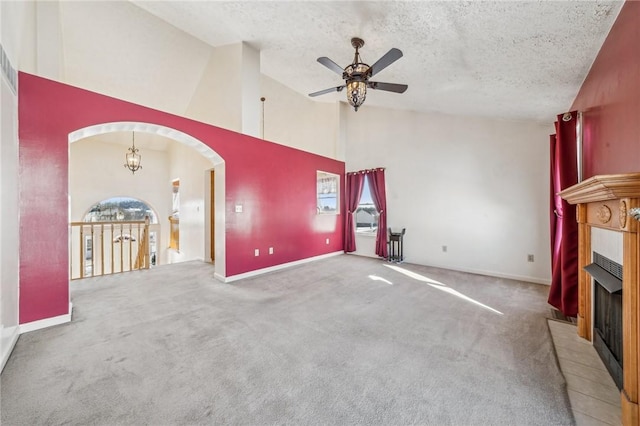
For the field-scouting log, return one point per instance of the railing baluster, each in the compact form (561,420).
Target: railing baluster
(137,262)
(121,249)
(113,263)
(102,249)
(147,261)
(81,251)
(139,247)
(130,247)
(93,250)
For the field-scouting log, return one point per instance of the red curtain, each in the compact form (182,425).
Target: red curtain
(563,293)
(355,182)
(555,216)
(379,196)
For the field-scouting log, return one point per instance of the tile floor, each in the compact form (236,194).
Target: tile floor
(594,397)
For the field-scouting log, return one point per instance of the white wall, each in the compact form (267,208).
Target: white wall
(478,186)
(116,48)
(250,98)
(49,53)
(298,121)
(11,18)
(19,34)
(9,249)
(217,96)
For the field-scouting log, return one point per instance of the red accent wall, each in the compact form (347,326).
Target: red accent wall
(610,100)
(275,184)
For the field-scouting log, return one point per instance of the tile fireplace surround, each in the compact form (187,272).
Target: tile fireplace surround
(603,202)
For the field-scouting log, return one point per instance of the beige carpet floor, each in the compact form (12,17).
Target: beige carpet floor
(341,341)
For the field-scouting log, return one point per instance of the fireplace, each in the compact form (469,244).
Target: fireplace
(607,313)
(603,207)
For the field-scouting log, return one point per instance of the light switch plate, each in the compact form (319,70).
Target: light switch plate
(238,208)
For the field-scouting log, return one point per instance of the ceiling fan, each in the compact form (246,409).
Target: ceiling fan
(356,75)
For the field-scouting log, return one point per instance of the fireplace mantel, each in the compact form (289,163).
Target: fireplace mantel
(603,187)
(604,201)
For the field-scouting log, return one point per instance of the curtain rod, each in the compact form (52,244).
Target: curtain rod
(366,171)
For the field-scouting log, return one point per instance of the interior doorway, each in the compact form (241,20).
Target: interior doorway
(184,156)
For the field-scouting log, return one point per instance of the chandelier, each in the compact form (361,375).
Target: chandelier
(132,157)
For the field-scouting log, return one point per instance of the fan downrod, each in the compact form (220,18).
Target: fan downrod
(357,42)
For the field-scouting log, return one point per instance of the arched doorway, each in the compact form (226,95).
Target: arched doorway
(206,233)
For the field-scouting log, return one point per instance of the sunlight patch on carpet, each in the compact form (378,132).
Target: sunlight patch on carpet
(377,278)
(440,286)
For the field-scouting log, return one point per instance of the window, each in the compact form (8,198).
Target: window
(366,213)
(118,209)
(328,193)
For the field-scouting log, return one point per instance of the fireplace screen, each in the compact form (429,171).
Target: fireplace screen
(607,321)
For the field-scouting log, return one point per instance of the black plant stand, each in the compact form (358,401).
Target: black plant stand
(395,246)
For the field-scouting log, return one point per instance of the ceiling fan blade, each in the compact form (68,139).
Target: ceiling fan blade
(390,57)
(329,90)
(389,87)
(331,65)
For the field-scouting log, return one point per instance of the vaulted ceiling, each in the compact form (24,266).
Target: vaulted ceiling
(507,59)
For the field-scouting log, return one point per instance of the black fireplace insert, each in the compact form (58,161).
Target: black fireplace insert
(607,318)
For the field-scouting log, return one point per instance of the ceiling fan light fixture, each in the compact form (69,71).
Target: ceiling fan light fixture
(356,79)
(356,93)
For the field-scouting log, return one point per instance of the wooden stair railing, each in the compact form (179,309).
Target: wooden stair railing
(142,258)
(105,248)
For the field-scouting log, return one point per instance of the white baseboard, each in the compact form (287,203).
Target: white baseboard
(275,268)
(47,322)
(27,327)
(493,274)
(7,349)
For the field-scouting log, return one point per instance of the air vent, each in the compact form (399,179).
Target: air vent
(608,265)
(606,273)
(8,71)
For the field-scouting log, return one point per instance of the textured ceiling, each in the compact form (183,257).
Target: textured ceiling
(507,59)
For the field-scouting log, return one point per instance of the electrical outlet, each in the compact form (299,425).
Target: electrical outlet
(257,252)
(270,250)
(444,249)
(529,258)
(239,209)
(327,241)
